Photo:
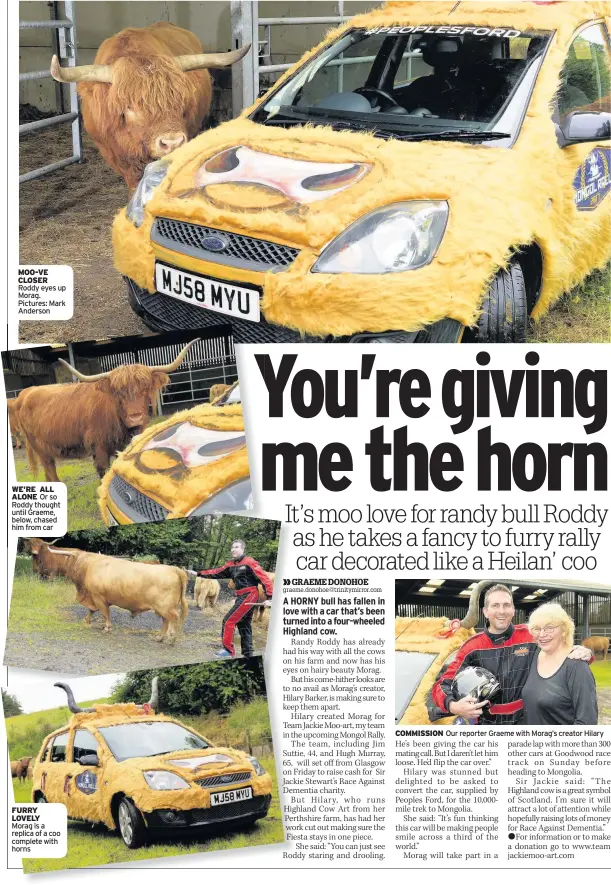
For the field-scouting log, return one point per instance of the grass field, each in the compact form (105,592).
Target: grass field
(581,316)
(93,845)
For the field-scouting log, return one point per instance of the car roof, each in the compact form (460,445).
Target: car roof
(525,15)
(103,715)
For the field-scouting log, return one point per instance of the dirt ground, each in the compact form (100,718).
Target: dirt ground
(65,218)
(60,641)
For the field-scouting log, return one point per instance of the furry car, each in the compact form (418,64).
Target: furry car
(191,464)
(140,772)
(431,172)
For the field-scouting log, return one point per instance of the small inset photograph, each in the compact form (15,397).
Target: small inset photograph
(496,652)
(139,429)
(153,595)
(149,763)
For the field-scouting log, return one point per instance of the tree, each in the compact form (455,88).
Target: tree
(11,705)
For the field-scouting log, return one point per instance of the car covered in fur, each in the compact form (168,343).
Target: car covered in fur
(423,648)
(191,464)
(140,772)
(432,171)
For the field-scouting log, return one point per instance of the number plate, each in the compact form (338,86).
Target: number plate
(230,796)
(220,296)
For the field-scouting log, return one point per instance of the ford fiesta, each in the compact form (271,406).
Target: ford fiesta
(430,172)
(192,464)
(140,772)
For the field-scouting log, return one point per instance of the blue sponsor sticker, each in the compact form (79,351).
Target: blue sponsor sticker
(592,180)
(87,782)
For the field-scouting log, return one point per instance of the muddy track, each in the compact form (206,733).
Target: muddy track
(129,646)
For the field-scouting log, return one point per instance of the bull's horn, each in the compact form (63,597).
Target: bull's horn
(171,367)
(72,705)
(82,377)
(80,73)
(211,59)
(154,701)
(472,616)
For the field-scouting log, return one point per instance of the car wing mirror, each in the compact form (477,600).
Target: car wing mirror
(577,128)
(89,759)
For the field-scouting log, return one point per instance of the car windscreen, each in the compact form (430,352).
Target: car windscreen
(149,739)
(410,667)
(441,81)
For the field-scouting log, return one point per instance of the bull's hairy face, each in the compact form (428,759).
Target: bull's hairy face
(153,109)
(133,388)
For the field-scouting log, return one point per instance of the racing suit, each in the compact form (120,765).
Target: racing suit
(508,656)
(246,574)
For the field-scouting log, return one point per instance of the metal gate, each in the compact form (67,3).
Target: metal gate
(211,361)
(65,45)
(245,25)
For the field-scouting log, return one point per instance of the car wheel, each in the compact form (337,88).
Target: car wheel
(130,823)
(504,318)
(41,799)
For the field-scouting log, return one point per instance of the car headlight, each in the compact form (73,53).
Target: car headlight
(164,780)
(403,236)
(154,174)
(256,765)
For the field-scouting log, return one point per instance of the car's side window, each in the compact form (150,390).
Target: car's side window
(45,753)
(58,747)
(84,744)
(585,79)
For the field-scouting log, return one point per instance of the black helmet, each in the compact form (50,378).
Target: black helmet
(475,682)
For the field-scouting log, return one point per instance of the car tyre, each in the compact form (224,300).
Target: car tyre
(504,317)
(41,799)
(130,823)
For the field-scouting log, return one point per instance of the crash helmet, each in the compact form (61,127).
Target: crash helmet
(475,682)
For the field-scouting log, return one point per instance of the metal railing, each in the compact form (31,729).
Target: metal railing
(245,24)
(66,45)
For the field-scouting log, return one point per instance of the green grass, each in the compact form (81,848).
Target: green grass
(82,482)
(601,670)
(35,605)
(583,315)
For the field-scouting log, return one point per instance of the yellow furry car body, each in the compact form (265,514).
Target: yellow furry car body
(422,636)
(500,200)
(95,800)
(148,468)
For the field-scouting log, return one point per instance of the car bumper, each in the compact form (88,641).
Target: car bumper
(175,819)
(298,305)
(165,314)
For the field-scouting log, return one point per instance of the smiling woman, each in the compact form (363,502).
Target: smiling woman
(558,691)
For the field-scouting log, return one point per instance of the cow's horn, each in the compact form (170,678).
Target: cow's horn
(154,701)
(72,705)
(80,73)
(171,367)
(80,376)
(211,59)
(472,616)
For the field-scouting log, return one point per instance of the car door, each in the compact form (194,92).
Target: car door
(585,93)
(53,768)
(82,783)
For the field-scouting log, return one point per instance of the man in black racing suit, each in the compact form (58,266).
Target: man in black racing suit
(246,574)
(505,649)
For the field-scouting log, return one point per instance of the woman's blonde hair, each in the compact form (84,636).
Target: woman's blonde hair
(552,613)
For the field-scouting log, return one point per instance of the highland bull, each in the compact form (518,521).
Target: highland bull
(598,643)
(97,418)
(102,581)
(148,93)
